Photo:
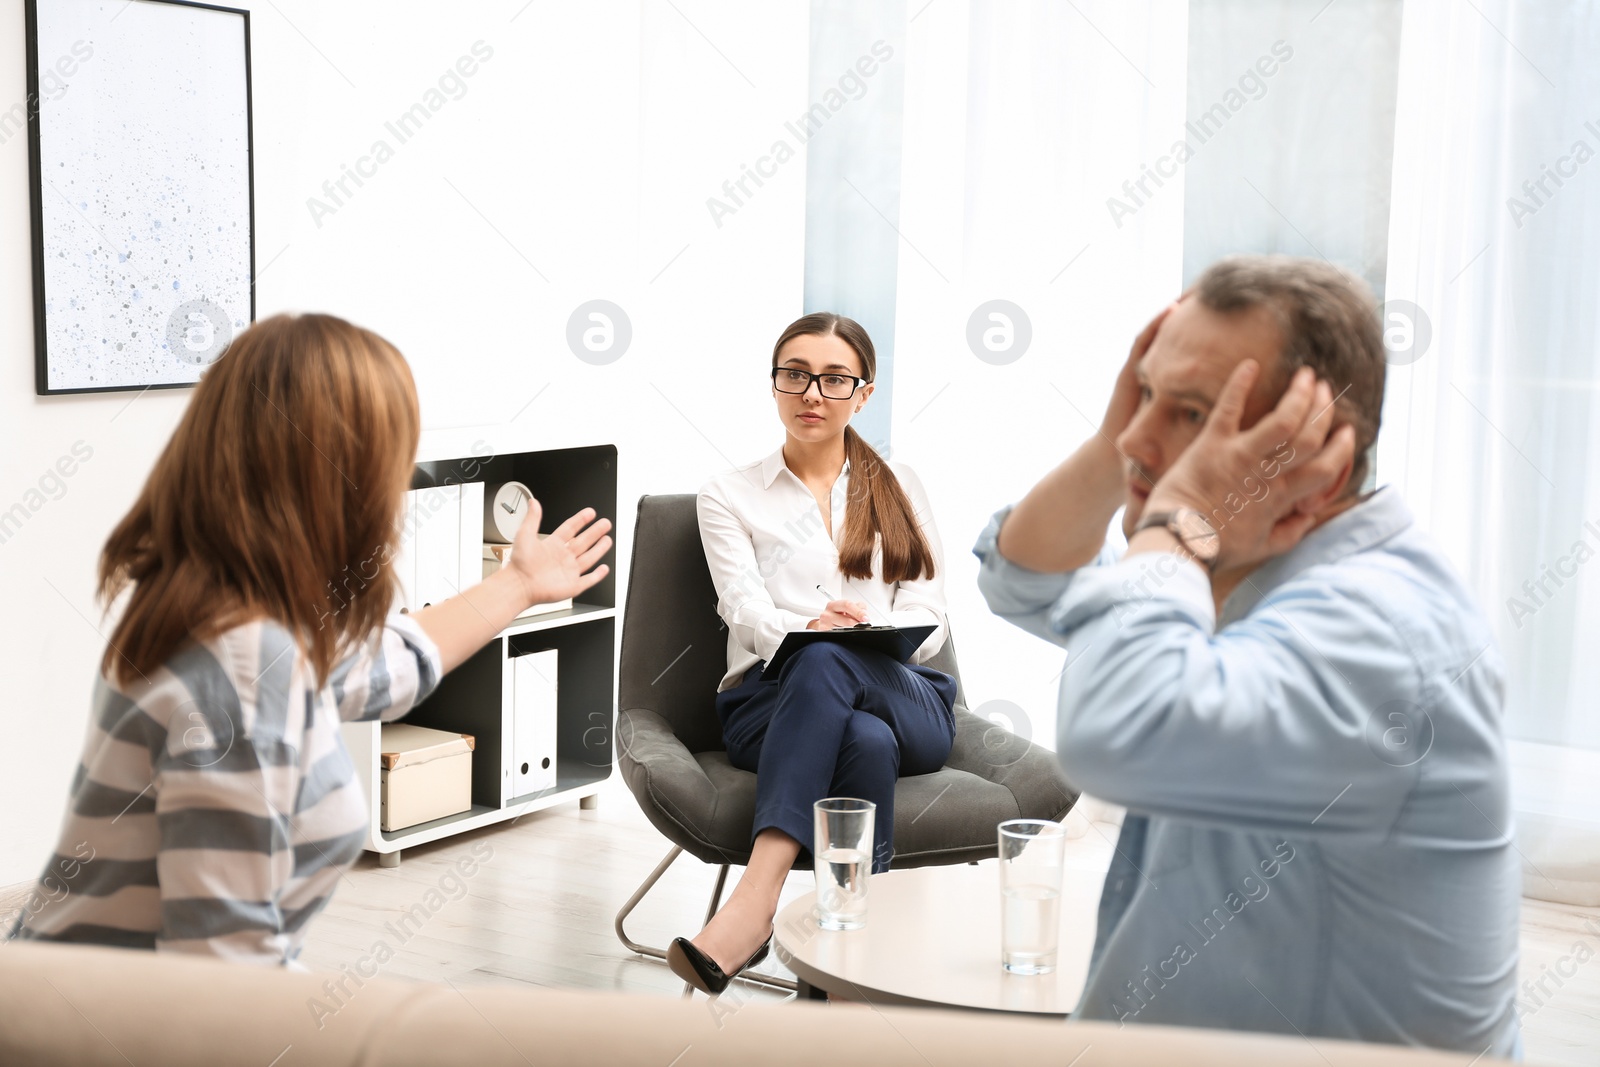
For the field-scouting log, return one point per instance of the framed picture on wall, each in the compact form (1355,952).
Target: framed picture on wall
(139,131)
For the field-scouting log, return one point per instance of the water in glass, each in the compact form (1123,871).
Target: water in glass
(842,875)
(1031,920)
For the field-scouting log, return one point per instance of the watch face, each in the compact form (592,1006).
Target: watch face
(1197,534)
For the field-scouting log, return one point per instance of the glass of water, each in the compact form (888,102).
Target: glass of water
(843,855)
(1031,855)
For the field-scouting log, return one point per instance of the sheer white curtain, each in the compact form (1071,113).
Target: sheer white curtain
(1291,108)
(1021,121)
(1493,431)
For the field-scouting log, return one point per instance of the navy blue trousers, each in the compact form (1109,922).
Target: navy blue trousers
(836,722)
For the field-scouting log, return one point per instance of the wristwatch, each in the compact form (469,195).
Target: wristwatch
(1191,529)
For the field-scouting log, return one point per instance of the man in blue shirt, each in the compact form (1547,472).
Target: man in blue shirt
(1282,680)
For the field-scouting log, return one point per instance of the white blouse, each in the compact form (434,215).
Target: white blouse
(769,550)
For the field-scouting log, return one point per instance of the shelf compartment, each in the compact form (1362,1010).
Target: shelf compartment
(565,481)
(585,712)
(467,701)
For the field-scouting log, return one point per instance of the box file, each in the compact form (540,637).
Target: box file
(440,544)
(533,722)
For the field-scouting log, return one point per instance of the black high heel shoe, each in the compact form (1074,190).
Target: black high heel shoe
(701,971)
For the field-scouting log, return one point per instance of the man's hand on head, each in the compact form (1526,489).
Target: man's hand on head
(1124,403)
(1264,488)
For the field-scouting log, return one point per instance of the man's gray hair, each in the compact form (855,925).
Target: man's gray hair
(1329,322)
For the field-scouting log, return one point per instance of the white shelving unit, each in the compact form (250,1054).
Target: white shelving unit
(478,698)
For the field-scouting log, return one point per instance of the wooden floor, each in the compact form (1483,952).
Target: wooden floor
(540,907)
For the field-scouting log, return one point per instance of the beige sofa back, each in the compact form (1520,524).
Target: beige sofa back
(94,1006)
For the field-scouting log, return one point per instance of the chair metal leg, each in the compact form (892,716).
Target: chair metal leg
(627,909)
(648,884)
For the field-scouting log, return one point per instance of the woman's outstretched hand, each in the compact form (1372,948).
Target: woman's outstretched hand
(541,570)
(563,564)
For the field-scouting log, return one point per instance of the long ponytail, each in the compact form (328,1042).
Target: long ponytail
(878,506)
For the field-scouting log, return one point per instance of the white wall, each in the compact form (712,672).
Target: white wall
(590,141)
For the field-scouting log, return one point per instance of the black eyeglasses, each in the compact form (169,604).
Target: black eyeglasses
(832,386)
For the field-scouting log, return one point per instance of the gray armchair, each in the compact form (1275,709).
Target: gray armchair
(670,747)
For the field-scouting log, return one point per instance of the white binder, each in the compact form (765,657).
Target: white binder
(533,722)
(438,544)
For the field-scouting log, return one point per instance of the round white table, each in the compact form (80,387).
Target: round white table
(932,938)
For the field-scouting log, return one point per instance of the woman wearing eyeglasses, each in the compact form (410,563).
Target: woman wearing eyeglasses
(822,533)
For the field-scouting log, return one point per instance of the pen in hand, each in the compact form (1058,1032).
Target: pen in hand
(849,609)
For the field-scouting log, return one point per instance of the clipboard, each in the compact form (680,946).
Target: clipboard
(897,641)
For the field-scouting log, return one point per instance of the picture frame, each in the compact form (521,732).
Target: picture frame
(142,188)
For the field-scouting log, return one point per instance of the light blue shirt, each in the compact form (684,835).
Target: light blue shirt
(1319,832)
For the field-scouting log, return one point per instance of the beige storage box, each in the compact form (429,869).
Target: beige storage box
(427,774)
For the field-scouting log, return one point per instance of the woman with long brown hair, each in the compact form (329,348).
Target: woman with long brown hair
(215,805)
(823,533)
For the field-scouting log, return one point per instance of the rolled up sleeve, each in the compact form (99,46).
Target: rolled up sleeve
(389,675)
(1021,596)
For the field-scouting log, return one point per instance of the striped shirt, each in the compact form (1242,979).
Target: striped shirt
(215,804)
